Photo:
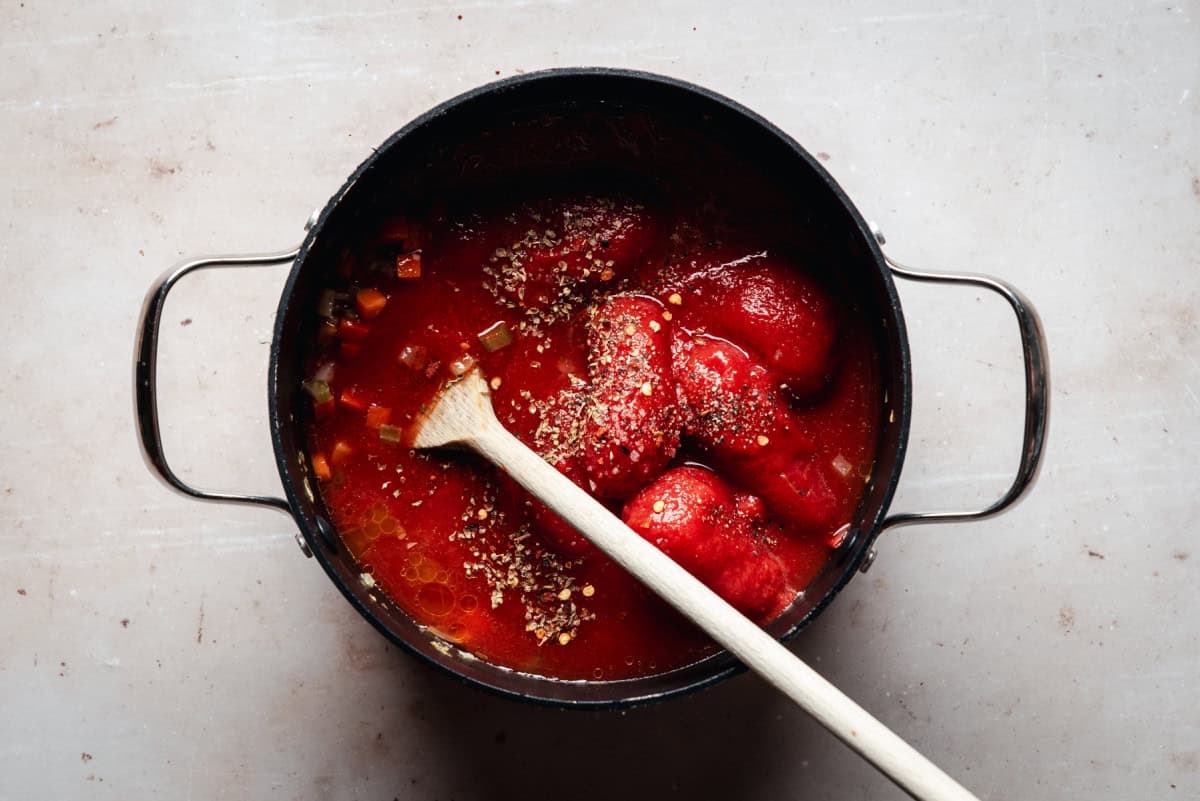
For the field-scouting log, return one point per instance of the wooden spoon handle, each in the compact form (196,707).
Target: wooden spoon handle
(762,653)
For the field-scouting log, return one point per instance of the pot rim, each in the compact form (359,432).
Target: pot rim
(859,542)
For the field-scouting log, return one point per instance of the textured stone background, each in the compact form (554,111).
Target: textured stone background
(154,647)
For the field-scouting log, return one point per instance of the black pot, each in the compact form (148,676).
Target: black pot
(478,137)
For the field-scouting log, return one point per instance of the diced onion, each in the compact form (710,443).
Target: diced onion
(496,337)
(324,372)
(841,465)
(325,303)
(462,365)
(389,433)
(413,357)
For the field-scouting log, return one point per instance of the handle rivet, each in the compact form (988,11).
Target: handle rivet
(868,560)
(304,549)
(876,232)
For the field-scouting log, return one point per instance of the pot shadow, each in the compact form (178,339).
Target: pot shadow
(735,740)
(708,744)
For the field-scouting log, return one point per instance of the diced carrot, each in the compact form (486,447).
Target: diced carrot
(348,350)
(378,416)
(352,330)
(341,452)
(370,303)
(321,467)
(352,400)
(408,265)
(323,410)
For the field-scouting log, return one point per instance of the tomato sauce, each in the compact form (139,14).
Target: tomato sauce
(715,390)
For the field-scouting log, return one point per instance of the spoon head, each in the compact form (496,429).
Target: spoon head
(461,411)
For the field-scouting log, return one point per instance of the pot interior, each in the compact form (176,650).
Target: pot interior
(613,129)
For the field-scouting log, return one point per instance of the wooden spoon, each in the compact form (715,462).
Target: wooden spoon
(462,416)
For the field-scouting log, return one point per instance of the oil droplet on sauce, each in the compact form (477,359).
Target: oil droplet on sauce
(436,599)
(427,571)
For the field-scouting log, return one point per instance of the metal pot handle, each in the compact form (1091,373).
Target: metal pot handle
(1037,396)
(145,386)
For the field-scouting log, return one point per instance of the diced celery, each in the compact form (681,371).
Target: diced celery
(496,337)
(319,390)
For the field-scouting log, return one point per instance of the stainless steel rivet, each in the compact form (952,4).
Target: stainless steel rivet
(312,219)
(876,232)
(304,549)
(868,560)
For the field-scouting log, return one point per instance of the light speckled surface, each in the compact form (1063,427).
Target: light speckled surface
(157,647)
